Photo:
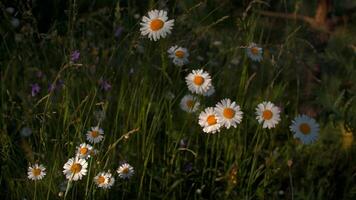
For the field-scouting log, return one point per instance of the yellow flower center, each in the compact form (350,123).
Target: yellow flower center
(156,24)
(101,179)
(95,134)
(125,170)
(229,113)
(179,54)
(304,128)
(83,150)
(211,120)
(75,168)
(190,104)
(36,171)
(198,80)
(267,115)
(254,50)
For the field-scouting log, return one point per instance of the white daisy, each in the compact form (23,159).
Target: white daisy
(36,172)
(254,52)
(210,92)
(228,113)
(198,81)
(179,55)
(268,114)
(305,128)
(189,103)
(104,180)
(156,25)
(75,168)
(125,171)
(208,120)
(84,150)
(95,135)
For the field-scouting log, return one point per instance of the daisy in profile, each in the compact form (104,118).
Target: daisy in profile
(198,81)
(36,172)
(189,103)
(156,25)
(268,114)
(125,171)
(75,168)
(104,180)
(254,52)
(305,128)
(210,92)
(95,135)
(179,55)
(208,120)
(84,150)
(228,113)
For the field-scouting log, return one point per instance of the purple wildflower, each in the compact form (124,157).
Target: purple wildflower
(104,85)
(118,31)
(35,89)
(74,57)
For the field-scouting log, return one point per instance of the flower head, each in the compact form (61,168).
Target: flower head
(268,114)
(208,121)
(189,103)
(95,135)
(35,89)
(198,81)
(179,55)
(74,57)
(254,52)
(84,150)
(36,172)
(228,113)
(305,128)
(156,25)
(75,168)
(104,180)
(26,132)
(125,171)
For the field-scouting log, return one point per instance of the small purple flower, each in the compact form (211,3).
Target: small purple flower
(104,85)
(35,89)
(74,57)
(118,31)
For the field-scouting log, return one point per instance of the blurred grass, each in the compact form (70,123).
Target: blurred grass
(301,72)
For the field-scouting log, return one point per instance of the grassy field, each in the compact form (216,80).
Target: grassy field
(68,66)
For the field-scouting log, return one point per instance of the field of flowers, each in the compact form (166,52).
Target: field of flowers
(210,99)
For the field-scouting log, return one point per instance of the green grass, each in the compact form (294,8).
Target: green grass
(143,122)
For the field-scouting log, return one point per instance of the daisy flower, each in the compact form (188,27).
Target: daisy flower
(36,172)
(179,55)
(198,81)
(104,180)
(268,114)
(84,150)
(125,171)
(75,168)
(254,52)
(305,128)
(156,25)
(208,120)
(95,135)
(210,92)
(189,103)
(228,113)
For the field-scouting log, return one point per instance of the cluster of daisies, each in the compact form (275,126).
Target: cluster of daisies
(76,167)
(226,113)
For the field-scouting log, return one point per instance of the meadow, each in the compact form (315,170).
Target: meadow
(178,99)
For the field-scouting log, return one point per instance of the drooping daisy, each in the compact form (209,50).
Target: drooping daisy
(179,55)
(36,172)
(75,168)
(84,150)
(210,92)
(305,128)
(268,114)
(228,113)
(208,120)
(198,81)
(125,171)
(104,180)
(95,135)
(189,103)
(254,52)
(156,25)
